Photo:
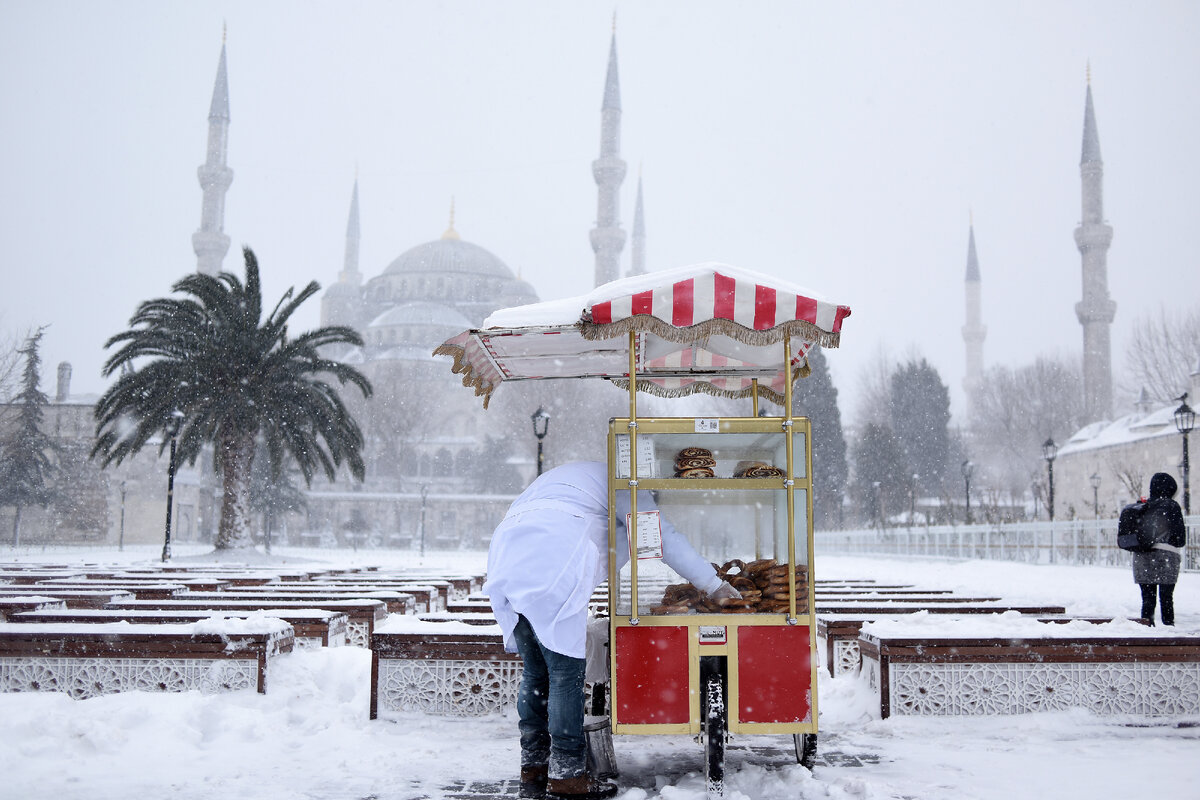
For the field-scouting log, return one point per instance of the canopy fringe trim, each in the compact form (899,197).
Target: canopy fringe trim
(646,323)
(463,367)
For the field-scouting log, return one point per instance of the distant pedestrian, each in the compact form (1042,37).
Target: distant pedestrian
(1157,570)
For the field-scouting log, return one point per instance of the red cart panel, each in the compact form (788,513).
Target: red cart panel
(774,667)
(652,676)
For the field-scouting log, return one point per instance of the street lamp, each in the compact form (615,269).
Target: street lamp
(1049,451)
(541,424)
(967,469)
(912,501)
(121,538)
(1095,480)
(173,424)
(424,494)
(1185,420)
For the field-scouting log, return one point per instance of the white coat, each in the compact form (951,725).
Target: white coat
(550,553)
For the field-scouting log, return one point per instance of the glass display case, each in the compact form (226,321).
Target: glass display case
(739,490)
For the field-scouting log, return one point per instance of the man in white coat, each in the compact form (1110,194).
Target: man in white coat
(546,558)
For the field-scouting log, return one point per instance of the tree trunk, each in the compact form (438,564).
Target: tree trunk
(16,527)
(237,455)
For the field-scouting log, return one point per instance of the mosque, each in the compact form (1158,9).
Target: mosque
(433,468)
(440,474)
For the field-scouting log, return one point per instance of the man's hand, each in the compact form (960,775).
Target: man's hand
(725,592)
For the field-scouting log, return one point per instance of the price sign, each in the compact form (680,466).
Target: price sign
(648,536)
(645,456)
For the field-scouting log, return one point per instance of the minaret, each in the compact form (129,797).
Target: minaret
(1095,311)
(638,240)
(973,332)
(609,171)
(341,302)
(350,273)
(210,241)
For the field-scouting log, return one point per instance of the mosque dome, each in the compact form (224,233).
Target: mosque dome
(421,313)
(449,256)
(420,324)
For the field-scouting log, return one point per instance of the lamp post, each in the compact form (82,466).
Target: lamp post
(1095,481)
(541,424)
(121,537)
(174,422)
(967,469)
(1049,451)
(1185,420)
(912,501)
(424,494)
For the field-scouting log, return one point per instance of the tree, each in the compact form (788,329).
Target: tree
(234,377)
(1163,351)
(273,493)
(1016,410)
(881,486)
(816,397)
(920,405)
(26,468)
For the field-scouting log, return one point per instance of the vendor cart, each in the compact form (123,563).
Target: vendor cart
(739,486)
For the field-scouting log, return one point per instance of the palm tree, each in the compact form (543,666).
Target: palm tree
(235,378)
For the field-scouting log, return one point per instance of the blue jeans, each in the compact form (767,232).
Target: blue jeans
(550,706)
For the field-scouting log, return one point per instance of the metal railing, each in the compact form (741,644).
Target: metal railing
(1083,542)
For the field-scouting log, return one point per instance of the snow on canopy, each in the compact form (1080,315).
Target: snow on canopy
(709,327)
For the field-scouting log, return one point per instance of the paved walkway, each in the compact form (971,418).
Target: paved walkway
(778,753)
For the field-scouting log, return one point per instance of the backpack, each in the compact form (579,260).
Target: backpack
(1132,535)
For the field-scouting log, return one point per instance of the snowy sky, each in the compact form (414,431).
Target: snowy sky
(841,146)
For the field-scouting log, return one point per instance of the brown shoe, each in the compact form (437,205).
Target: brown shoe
(581,787)
(533,782)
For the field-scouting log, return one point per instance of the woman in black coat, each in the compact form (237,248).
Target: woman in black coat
(1157,571)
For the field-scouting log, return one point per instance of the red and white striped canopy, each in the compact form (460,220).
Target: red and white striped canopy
(705,328)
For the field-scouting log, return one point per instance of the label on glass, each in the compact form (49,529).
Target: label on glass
(712,634)
(645,456)
(708,425)
(649,535)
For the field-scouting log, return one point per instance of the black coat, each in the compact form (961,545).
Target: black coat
(1164,518)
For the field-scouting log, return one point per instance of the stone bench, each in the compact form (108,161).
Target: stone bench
(436,593)
(74,598)
(441,668)
(395,602)
(32,602)
(465,617)
(840,634)
(312,628)
(142,590)
(958,668)
(87,660)
(362,615)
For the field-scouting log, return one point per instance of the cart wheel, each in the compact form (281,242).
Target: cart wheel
(715,724)
(806,749)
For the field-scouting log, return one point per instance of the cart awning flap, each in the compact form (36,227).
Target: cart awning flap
(704,328)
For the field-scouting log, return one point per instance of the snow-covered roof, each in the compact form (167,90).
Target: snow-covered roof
(1130,428)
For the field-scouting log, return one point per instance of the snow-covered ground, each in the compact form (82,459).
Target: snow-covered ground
(310,736)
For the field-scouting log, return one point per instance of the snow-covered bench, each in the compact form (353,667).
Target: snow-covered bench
(1014,665)
(840,632)
(363,614)
(394,601)
(446,667)
(87,660)
(74,598)
(312,627)
(30,602)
